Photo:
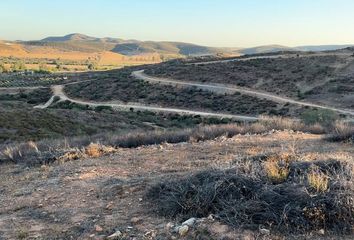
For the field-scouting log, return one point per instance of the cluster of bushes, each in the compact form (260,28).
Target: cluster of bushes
(140,138)
(35,97)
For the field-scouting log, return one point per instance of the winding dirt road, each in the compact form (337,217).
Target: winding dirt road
(221,88)
(58,91)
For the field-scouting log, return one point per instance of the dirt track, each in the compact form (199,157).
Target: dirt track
(221,88)
(58,91)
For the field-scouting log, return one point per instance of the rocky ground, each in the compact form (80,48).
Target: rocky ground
(104,198)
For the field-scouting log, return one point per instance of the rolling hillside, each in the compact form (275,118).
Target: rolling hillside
(77,50)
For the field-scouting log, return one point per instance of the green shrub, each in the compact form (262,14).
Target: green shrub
(324,117)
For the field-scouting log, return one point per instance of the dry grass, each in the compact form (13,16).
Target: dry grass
(93,150)
(46,151)
(277,168)
(342,131)
(318,181)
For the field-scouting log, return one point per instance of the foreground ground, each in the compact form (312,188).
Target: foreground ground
(95,197)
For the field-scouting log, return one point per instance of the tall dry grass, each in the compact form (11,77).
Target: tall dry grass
(45,151)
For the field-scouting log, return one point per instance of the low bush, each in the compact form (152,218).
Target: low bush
(248,200)
(54,148)
(322,116)
(342,131)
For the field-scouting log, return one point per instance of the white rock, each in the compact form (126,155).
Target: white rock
(190,222)
(115,236)
(264,231)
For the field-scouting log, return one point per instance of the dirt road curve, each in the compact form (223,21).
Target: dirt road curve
(58,91)
(220,88)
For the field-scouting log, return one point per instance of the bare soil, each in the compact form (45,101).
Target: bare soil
(93,198)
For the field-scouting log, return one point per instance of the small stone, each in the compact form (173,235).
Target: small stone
(136,220)
(264,231)
(321,232)
(109,206)
(190,222)
(115,236)
(98,228)
(169,226)
(182,231)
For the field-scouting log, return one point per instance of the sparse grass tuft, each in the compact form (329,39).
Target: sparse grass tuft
(318,181)
(277,168)
(93,150)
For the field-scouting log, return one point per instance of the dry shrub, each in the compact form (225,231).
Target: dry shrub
(277,169)
(318,181)
(46,151)
(97,150)
(93,150)
(72,155)
(245,199)
(33,145)
(11,153)
(342,131)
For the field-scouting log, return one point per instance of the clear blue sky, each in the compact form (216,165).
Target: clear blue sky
(236,23)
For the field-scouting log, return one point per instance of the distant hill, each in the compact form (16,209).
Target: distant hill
(277,48)
(78,46)
(315,48)
(69,37)
(264,49)
(83,42)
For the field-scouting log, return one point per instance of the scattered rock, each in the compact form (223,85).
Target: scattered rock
(115,236)
(98,228)
(190,222)
(264,231)
(183,230)
(109,206)
(150,234)
(169,226)
(321,232)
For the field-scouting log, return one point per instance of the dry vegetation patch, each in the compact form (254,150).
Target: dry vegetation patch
(323,202)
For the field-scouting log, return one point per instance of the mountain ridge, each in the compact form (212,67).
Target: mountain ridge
(77,42)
